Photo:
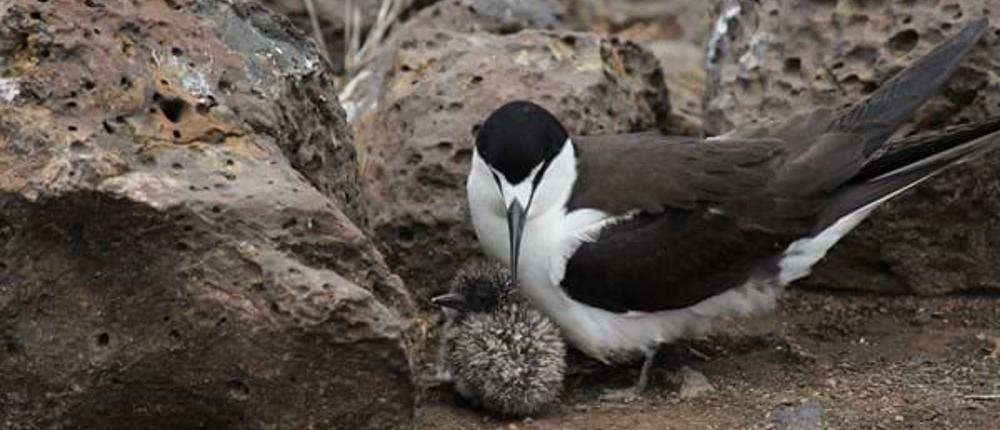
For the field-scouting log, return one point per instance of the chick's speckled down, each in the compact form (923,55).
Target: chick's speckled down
(500,353)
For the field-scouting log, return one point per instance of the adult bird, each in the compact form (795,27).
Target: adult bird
(630,241)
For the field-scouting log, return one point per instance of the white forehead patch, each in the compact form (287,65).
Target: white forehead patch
(528,179)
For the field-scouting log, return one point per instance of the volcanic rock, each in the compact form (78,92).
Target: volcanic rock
(330,19)
(175,245)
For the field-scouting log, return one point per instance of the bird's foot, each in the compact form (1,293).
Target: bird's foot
(633,393)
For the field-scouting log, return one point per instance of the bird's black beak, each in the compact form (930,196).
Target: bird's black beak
(515,226)
(450,300)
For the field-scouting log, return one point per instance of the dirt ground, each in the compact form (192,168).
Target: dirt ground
(821,361)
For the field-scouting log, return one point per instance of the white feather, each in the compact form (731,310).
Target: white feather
(799,258)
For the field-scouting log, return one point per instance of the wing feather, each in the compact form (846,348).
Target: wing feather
(617,175)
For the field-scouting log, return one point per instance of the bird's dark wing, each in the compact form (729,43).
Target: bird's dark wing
(677,257)
(621,173)
(671,260)
(703,215)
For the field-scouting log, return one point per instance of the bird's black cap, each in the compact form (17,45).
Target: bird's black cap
(519,136)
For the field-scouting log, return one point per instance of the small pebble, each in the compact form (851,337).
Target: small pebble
(804,416)
(693,383)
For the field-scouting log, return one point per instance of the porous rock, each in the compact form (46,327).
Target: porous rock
(330,18)
(363,92)
(673,31)
(436,84)
(769,59)
(174,251)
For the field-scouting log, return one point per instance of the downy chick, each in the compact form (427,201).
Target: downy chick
(500,353)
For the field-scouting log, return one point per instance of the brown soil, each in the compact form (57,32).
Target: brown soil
(869,362)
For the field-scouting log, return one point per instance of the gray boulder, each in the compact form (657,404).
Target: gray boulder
(176,249)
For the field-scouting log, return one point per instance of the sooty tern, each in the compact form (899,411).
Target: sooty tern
(499,351)
(630,241)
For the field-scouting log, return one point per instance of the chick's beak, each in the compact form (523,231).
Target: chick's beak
(450,301)
(515,226)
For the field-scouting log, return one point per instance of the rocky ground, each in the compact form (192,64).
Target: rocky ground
(822,361)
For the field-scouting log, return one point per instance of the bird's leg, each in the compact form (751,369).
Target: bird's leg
(640,385)
(443,375)
(634,392)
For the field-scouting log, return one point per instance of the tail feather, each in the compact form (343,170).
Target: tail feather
(878,117)
(923,147)
(888,176)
